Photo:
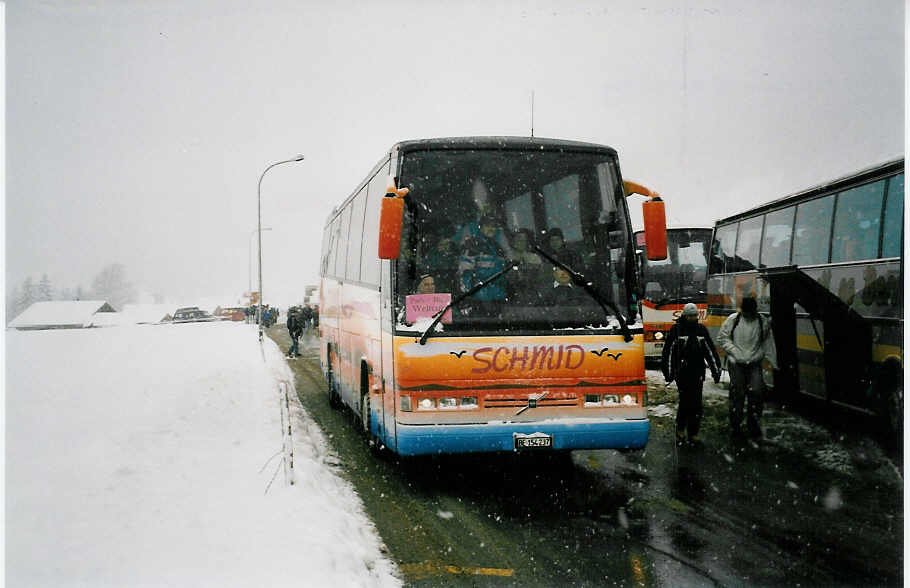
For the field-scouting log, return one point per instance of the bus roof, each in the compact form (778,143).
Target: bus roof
(859,177)
(497,143)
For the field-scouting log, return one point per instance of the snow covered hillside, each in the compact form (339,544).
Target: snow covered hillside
(151,455)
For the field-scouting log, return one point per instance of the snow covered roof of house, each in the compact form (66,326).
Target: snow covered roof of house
(60,314)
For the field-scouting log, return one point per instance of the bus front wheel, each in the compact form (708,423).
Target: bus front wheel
(376,446)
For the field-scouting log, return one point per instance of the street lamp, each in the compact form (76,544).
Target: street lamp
(249,257)
(259,229)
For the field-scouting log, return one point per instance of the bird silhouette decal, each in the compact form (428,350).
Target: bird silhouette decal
(601,352)
(615,356)
(459,354)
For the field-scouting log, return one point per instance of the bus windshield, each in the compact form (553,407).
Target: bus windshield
(681,277)
(472,213)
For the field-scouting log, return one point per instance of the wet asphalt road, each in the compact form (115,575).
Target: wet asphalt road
(807,507)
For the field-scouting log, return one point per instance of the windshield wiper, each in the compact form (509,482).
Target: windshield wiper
(580,280)
(474,289)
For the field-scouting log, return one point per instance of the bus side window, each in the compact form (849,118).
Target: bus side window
(748,243)
(342,243)
(332,254)
(355,239)
(775,248)
(856,223)
(722,249)
(894,218)
(813,231)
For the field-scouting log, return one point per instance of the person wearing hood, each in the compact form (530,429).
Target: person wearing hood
(687,350)
(747,340)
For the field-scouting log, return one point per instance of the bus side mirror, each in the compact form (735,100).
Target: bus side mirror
(390,222)
(655,228)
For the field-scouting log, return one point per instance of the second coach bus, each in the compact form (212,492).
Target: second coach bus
(826,264)
(478,295)
(668,284)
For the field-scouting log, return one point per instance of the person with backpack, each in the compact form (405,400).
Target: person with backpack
(687,350)
(747,339)
(295,330)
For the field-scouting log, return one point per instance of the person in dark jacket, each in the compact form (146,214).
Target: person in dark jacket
(306,316)
(687,350)
(294,330)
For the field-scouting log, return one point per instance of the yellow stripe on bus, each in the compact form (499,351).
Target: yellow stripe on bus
(427,569)
(880,352)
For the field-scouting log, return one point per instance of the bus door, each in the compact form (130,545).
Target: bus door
(831,342)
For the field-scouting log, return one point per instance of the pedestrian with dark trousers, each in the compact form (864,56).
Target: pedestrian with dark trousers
(294,330)
(746,339)
(687,350)
(307,314)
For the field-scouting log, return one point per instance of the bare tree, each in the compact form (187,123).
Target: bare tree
(111,285)
(45,290)
(26,296)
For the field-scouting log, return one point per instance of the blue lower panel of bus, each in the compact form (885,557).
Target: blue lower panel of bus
(430,439)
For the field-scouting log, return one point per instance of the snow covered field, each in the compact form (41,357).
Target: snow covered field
(150,455)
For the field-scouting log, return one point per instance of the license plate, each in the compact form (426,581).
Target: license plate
(533,442)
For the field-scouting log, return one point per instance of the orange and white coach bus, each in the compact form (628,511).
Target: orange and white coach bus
(668,284)
(478,295)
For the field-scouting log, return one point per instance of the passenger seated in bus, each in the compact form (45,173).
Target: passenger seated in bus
(472,229)
(558,249)
(521,247)
(442,262)
(532,276)
(425,284)
(563,292)
(481,258)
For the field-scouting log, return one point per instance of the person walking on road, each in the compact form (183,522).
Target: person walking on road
(294,330)
(747,339)
(687,350)
(306,314)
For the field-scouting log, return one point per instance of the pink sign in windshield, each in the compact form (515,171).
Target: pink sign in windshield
(419,306)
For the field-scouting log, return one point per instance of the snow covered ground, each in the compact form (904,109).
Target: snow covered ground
(151,455)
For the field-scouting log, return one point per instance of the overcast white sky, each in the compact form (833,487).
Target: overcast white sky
(137,130)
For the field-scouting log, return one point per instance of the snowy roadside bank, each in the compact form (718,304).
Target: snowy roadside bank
(142,455)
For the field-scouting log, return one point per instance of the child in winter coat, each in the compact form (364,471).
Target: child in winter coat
(687,350)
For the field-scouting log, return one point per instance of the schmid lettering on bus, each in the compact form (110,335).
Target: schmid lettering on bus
(540,357)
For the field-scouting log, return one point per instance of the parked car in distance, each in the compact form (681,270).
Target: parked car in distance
(192,314)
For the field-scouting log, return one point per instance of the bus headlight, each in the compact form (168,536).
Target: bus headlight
(611,399)
(426,404)
(592,399)
(628,400)
(448,402)
(468,402)
(405,404)
(659,335)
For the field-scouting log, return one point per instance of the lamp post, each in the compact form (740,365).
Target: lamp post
(259,229)
(249,258)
